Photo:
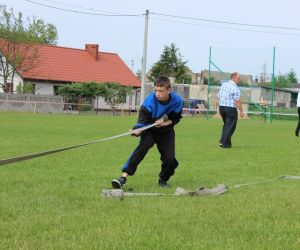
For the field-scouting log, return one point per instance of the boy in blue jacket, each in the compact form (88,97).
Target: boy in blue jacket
(162,103)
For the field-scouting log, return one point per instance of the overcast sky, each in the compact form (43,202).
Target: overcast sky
(232,27)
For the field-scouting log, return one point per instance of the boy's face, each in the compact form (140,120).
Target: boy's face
(162,93)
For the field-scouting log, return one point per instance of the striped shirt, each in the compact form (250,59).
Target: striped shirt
(228,94)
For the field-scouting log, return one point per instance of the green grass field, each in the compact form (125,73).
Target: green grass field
(54,202)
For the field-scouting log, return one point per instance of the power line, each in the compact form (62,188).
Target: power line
(168,15)
(225,22)
(82,12)
(80,7)
(115,14)
(226,28)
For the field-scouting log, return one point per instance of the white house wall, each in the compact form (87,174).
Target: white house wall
(256,95)
(43,88)
(99,103)
(17,79)
(198,92)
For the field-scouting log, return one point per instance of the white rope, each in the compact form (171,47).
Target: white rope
(287,177)
(31,156)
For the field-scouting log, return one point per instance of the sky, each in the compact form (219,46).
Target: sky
(242,34)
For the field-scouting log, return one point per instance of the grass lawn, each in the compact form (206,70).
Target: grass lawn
(54,202)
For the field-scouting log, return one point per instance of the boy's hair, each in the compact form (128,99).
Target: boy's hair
(162,81)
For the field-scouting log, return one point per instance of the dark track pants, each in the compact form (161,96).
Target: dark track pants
(298,126)
(230,117)
(166,146)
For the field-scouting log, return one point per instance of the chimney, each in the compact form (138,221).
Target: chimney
(92,49)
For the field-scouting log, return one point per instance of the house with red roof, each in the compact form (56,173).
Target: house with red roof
(57,66)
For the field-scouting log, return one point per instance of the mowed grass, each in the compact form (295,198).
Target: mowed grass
(54,202)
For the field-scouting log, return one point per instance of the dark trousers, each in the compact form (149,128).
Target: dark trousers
(298,126)
(166,146)
(230,117)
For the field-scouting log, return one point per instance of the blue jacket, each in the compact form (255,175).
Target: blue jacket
(152,110)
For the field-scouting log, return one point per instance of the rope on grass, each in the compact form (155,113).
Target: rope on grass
(218,190)
(285,177)
(201,191)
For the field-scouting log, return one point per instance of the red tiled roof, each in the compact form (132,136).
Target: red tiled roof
(77,65)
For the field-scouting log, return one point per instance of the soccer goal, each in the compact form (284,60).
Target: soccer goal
(268,79)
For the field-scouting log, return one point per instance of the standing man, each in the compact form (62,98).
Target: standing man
(162,103)
(228,101)
(298,106)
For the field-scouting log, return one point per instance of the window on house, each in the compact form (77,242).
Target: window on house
(123,98)
(33,89)
(55,90)
(186,93)
(9,87)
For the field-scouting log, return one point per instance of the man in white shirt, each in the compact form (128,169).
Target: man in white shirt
(228,101)
(298,106)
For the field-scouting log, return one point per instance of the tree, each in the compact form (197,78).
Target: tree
(40,32)
(26,88)
(291,77)
(86,91)
(19,44)
(286,80)
(114,94)
(244,84)
(139,74)
(170,64)
(212,81)
(281,81)
(81,92)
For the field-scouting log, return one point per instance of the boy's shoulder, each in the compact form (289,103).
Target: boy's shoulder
(176,97)
(149,98)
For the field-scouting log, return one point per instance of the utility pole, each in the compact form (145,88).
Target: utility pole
(132,64)
(273,83)
(144,59)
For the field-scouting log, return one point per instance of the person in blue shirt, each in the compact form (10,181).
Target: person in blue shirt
(162,103)
(228,101)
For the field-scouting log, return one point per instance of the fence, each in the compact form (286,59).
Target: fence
(55,104)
